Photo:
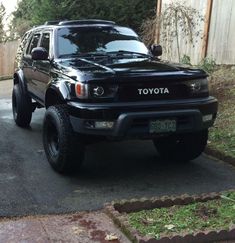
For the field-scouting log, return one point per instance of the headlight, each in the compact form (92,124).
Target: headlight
(93,91)
(103,91)
(98,91)
(198,86)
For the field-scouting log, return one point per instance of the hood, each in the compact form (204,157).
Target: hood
(97,67)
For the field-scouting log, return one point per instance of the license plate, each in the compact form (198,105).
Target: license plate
(162,126)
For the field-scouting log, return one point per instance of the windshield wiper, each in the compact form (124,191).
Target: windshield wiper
(104,54)
(68,55)
(121,52)
(85,54)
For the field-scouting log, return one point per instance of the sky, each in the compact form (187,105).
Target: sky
(10,6)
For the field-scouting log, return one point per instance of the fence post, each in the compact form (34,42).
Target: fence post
(158,27)
(207,28)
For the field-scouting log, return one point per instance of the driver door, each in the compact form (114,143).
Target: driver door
(42,67)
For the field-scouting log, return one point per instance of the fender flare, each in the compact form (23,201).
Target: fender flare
(61,91)
(18,78)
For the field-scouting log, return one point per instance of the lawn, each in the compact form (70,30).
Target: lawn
(211,215)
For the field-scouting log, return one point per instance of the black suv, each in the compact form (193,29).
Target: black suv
(97,80)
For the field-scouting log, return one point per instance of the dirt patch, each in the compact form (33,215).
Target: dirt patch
(222,134)
(221,79)
(204,212)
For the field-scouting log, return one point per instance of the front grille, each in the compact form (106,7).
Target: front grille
(143,92)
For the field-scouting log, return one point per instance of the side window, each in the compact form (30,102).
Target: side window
(33,43)
(45,42)
(21,48)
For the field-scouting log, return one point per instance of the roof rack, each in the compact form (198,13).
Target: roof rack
(52,22)
(86,22)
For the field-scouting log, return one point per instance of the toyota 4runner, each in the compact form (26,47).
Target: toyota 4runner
(97,80)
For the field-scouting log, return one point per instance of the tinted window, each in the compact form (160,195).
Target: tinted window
(45,42)
(33,43)
(79,40)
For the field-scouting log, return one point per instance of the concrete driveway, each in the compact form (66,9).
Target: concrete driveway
(111,171)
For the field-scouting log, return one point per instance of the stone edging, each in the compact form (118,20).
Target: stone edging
(220,155)
(117,211)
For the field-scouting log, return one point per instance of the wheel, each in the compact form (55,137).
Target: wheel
(21,107)
(64,151)
(182,147)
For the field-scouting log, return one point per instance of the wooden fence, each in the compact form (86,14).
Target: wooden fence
(218,42)
(7,57)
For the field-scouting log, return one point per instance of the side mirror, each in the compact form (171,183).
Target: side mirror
(156,50)
(39,53)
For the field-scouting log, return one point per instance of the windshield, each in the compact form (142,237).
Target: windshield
(97,40)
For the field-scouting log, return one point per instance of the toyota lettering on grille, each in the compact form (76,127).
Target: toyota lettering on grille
(153,91)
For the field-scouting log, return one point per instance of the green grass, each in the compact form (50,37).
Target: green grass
(211,215)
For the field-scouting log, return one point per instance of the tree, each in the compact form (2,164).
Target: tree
(2,15)
(21,20)
(177,21)
(36,12)
(52,10)
(129,13)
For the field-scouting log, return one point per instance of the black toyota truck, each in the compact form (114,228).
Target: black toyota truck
(98,80)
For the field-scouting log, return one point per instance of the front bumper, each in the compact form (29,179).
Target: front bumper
(132,119)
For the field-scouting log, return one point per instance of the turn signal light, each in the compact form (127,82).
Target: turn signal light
(81,90)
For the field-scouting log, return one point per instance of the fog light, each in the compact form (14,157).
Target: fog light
(207,118)
(99,124)
(104,124)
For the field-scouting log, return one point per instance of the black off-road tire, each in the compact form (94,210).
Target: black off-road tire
(64,150)
(182,147)
(21,107)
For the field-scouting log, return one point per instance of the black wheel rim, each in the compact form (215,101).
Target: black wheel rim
(52,140)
